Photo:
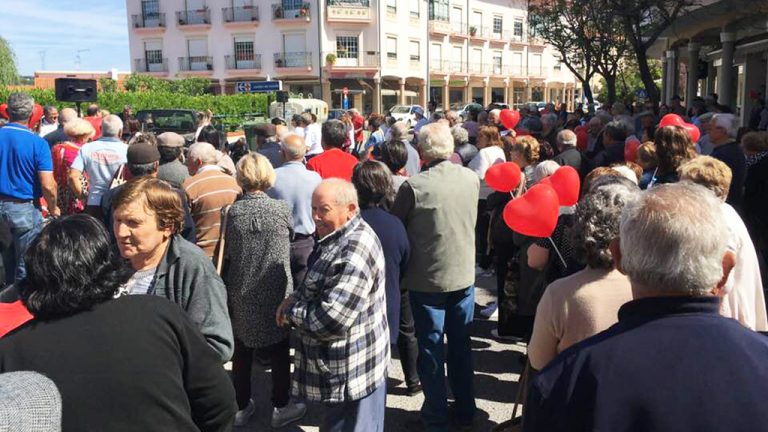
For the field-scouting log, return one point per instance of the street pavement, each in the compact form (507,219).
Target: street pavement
(497,369)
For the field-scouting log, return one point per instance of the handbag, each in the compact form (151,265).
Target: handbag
(515,424)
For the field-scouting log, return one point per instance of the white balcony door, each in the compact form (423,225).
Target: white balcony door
(477,60)
(457,20)
(534,64)
(347,51)
(150,9)
(294,47)
(457,59)
(153,55)
(436,57)
(517,63)
(242,10)
(244,56)
(198,54)
(292,8)
(477,21)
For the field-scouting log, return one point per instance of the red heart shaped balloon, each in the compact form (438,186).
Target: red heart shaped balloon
(37,114)
(503,177)
(535,213)
(693,131)
(566,183)
(671,120)
(509,118)
(4,111)
(630,150)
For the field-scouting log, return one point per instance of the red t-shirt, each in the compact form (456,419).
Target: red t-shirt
(96,123)
(12,315)
(358,121)
(333,163)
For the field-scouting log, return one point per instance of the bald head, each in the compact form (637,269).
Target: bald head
(334,203)
(67,115)
(293,148)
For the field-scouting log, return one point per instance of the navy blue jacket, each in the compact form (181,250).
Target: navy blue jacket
(397,250)
(670,364)
(732,156)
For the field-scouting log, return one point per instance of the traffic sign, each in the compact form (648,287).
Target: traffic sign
(345,90)
(641,93)
(258,86)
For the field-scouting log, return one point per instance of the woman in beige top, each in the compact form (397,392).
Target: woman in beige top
(585,303)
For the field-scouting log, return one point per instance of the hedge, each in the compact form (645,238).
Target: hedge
(237,108)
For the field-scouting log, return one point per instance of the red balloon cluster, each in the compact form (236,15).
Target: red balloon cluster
(676,120)
(503,177)
(535,213)
(566,183)
(509,118)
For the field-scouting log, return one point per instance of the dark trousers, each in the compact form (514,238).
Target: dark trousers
(362,415)
(407,346)
(242,362)
(301,248)
(485,259)
(504,254)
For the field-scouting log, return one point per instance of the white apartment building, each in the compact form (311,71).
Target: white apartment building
(384,52)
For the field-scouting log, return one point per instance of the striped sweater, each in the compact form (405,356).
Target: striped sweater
(209,191)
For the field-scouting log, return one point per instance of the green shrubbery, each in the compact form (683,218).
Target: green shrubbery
(144,92)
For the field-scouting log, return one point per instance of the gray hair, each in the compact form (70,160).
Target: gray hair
(205,153)
(596,223)
(460,135)
(398,131)
(111,126)
(549,119)
(673,238)
(566,138)
(293,146)
(435,141)
(544,169)
(727,122)
(344,191)
(20,106)
(628,123)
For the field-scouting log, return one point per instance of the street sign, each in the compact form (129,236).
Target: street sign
(345,90)
(641,93)
(258,86)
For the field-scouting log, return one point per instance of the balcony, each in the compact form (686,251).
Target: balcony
(240,17)
(345,61)
(438,28)
(293,62)
(148,23)
(448,67)
(199,19)
(479,33)
(459,30)
(478,68)
(152,67)
(280,15)
(243,64)
(515,71)
(196,65)
(501,37)
(349,11)
(534,72)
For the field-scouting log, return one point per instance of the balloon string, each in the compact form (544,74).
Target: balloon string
(562,260)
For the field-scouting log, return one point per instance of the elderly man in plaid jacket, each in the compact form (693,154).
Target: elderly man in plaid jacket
(340,313)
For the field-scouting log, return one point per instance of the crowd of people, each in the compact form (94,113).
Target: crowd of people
(344,245)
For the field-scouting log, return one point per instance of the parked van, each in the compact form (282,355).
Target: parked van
(298,106)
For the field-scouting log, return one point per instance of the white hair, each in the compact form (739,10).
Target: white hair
(544,169)
(566,137)
(460,135)
(494,112)
(436,141)
(626,172)
(673,238)
(293,145)
(205,153)
(344,192)
(111,126)
(398,131)
(727,122)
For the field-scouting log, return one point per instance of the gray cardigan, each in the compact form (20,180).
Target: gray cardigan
(187,277)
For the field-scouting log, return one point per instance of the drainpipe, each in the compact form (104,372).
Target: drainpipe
(320,47)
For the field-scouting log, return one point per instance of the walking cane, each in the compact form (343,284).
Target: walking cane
(222,234)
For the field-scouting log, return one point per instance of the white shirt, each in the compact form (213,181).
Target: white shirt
(45,129)
(744,300)
(312,139)
(484,159)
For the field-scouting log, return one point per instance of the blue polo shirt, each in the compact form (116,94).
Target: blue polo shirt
(295,184)
(23,155)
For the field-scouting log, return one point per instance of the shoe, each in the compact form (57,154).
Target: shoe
(489,310)
(242,416)
(413,390)
(288,414)
(514,339)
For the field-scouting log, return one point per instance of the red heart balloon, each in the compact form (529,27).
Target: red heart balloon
(509,118)
(37,114)
(503,177)
(671,120)
(693,131)
(4,111)
(566,183)
(535,213)
(630,150)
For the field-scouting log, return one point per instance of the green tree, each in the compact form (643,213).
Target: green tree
(193,86)
(107,85)
(629,81)
(9,75)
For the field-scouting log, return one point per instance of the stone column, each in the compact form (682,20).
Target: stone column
(726,75)
(377,95)
(692,83)
(507,98)
(401,100)
(671,75)
(546,92)
(467,91)
(711,75)
(424,94)
(446,95)
(486,91)
(528,92)
(327,95)
(511,92)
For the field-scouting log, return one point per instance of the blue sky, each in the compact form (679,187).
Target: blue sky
(61,28)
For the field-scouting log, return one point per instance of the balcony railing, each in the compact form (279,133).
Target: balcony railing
(148,20)
(369,59)
(143,66)
(279,12)
(349,11)
(475,68)
(448,66)
(193,17)
(515,70)
(241,62)
(240,14)
(293,60)
(196,63)
(350,3)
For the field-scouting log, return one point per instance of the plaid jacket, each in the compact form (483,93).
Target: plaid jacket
(340,311)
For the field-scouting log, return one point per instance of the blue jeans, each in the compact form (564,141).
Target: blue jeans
(435,315)
(363,415)
(25,223)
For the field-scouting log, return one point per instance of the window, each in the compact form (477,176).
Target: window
(497,25)
(291,5)
(436,56)
(497,63)
(243,48)
(153,55)
(518,28)
(391,47)
(414,48)
(415,13)
(392,6)
(347,47)
(150,9)
(457,59)
(438,10)
(457,20)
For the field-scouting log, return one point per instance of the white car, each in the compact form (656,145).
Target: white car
(405,113)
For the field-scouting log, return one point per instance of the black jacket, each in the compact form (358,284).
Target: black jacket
(732,156)
(755,204)
(612,154)
(135,363)
(572,157)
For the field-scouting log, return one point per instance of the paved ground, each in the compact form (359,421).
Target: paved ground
(497,369)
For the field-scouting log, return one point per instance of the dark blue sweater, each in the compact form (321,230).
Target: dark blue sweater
(732,156)
(670,364)
(394,242)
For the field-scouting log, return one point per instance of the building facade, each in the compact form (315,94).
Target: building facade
(718,47)
(379,52)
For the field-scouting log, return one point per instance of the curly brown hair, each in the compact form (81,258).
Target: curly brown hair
(527,147)
(673,147)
